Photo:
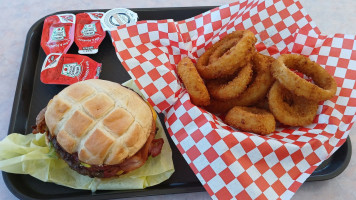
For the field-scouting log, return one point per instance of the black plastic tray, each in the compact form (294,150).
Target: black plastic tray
(32,95)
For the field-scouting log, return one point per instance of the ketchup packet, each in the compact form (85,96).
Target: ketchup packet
(88,32)
(58,33)
(66,69)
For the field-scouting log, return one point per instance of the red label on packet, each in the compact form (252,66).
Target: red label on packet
(66,69)
(58,33)
(88,32)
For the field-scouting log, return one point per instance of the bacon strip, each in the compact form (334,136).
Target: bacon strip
(156,147)
(40,126)
(140,157)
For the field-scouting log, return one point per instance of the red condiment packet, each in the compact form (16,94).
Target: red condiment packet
(58,33)
(88,32)
(66,69)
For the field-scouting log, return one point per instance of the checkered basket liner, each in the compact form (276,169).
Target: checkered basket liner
(229,163)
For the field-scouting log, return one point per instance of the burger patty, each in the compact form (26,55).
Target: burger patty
(151,147)
(104,171)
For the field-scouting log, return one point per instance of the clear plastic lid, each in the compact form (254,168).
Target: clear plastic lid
(116,17)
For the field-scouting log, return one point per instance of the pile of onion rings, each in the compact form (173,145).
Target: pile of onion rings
(253,90)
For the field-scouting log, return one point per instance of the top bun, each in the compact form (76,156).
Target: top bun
(101,120)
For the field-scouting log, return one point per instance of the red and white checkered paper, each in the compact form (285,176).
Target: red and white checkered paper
(230,163)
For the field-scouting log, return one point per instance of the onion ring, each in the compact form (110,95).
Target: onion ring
(290,109)
(256,90)
(222,90)
(324,87)
(261,81)
(193,82)
(224,48)
(238,56)
(251,119)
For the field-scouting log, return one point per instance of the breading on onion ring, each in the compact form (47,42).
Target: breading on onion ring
(261,81)
(290,109)
(193,82)
(263,104)
(217,106)
(230,61)
(224,48)
(256,90)
(324,87)
(223,90)
(251,119)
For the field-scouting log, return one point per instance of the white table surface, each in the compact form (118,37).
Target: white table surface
(18,16)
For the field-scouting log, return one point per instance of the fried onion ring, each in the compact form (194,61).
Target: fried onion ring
(222,90)
(261,81)
(290,109)
(256,90)
(324,87)
(193,82)
(224,48)
(251,119)
(228,63)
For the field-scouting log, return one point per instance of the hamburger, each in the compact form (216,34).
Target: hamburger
(100,128)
